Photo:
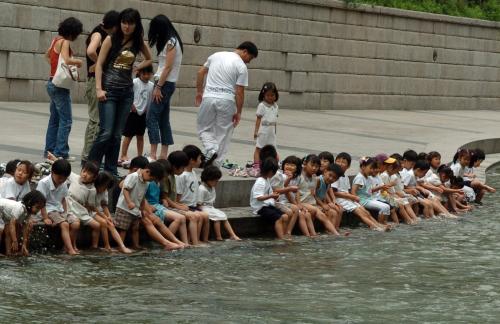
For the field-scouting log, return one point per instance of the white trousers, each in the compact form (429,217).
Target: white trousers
(378,206)
(215,125)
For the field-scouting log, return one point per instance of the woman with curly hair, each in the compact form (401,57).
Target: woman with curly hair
(60,120)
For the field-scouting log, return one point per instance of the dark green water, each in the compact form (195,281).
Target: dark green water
(438,271)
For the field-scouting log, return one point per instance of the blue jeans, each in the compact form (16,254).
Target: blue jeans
(158,117)
(60,120)
(112,116)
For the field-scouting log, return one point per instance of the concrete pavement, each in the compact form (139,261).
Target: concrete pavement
(358,132)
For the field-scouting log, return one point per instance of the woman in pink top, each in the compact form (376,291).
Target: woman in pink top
(56,139)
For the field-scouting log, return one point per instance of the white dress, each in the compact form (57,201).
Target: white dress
(206,199)
(267,129)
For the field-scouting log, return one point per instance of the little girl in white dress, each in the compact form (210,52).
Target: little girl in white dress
(206,199)
(267,117)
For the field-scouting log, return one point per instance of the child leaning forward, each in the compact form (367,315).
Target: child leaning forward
(206,198)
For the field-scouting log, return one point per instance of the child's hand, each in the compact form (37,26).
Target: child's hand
(15,246)
(331,205)
(131,205)
(355,198)
(440,190)
(78,63)
(184,207)
(47,221)
(133,109)
(274,195)
(293,188)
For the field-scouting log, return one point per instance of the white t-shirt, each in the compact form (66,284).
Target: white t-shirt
(80,195)
(143,93)
(206,195)
(375,181)
(269,113)
(3,181)
(187,186)
(468,170)
(101,199)
(458,170)
(261,187)
(226,70)
(173,75)
(137,188)
(10,209)
(342,184)
(408,177)
(53,195)
(12,190)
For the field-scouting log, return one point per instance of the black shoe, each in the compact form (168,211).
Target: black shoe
(210,161)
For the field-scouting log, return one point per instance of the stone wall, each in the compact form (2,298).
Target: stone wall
(321,54)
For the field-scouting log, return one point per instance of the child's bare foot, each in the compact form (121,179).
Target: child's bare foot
(219,239)
(138,247)
(490,189)
(235,238)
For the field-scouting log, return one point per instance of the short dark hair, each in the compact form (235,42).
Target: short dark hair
(443,168)
(433,154)
(457,182)
(33,198)
(178,159)
(61,167)
(268,151)
(146,69)
(397,156)
(476,155)
(422,165)
(104,179)
(91,167)
(268,86)
(335,168)
(292,159)
(365,161)
(346,156)
(326,156)
(269,165)
(250,47)
(422,156)
(210,173)
(192,152)
(312,158)
(30,168)
(111,19)
(70,28)
(410,155)
(156,170)
(139,162)
(167,167)
(11,166)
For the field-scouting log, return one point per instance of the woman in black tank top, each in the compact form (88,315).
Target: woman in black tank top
(114,87)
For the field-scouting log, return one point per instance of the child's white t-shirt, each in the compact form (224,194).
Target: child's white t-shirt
(187,186)
(226,70)
(101,199)
(142,95)
(342,184)
(375,181)
(53,195)
(269,113)
(12,190)
(468,170)
(409,179)
(458,170)
(10,209)
(80,195)
(206,195)
(261,187)
(137,187)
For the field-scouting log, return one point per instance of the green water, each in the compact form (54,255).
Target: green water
(437,271)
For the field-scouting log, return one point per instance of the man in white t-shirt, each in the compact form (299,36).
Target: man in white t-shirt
(221,97)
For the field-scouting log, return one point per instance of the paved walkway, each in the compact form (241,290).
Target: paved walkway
(358,132)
